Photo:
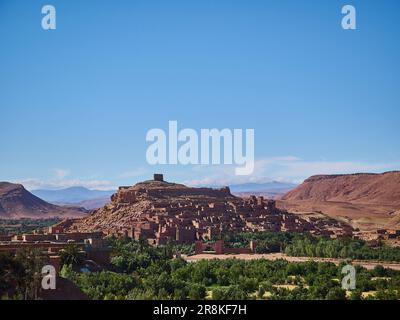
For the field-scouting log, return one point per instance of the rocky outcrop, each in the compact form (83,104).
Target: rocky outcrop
(366,188)
(160,190)
(16,202)
(367,201)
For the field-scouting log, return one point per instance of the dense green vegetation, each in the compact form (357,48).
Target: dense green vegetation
(140,271)
(20,275)
(306,245)
(341,248)
(267,242)
(145,272)
(10,226)
(71,255)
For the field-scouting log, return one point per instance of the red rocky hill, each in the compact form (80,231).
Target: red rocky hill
(16,202)
(160,211)
(367,200)
(367,188)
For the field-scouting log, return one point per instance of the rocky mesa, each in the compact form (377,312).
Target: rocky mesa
(366,200)
(366,188)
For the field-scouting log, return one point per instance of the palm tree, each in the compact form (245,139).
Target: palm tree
(10,273)
(32,262)
(71,255)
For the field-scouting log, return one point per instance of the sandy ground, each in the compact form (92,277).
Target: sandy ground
(366,217)
(276,256)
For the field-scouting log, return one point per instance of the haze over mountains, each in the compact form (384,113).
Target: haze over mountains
(259,187)
(16,202)
(271,190)
(76,196)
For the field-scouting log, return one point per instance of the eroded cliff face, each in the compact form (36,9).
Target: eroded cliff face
(367,201)
(367,188)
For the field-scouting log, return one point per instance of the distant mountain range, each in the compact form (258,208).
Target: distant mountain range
(259,187)
(16,202)
(76,196)
(89,204)
(270,190)
(71,195)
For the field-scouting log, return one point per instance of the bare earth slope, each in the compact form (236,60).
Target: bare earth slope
(368,201)
(366,188)
(16,202)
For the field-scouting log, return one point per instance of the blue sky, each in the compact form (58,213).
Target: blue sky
(76,102)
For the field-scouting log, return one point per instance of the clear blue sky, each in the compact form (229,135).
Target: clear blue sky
(76,102)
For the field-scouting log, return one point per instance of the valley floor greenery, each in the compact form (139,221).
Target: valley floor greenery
(19,226)
(307,245)
(139,271)
(143,272)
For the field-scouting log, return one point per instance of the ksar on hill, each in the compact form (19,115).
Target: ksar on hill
(160,211)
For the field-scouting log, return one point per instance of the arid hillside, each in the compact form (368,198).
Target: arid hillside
(366,188)
(16,202)
(129,203)
(367,201)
